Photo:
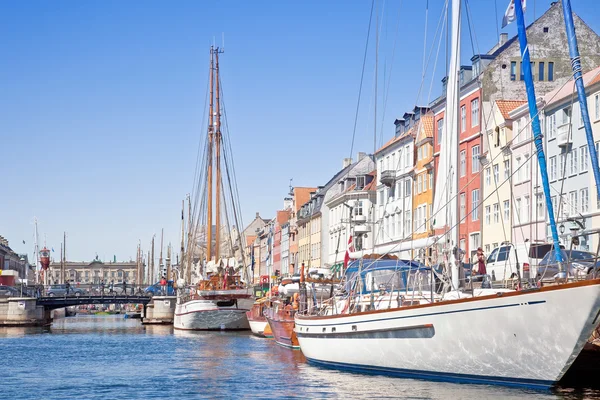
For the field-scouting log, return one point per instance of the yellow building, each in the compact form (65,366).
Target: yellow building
(423,181)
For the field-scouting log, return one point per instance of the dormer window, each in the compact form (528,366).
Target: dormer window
(360,182)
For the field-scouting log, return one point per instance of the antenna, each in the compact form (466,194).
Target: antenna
(223,40)
(291,187)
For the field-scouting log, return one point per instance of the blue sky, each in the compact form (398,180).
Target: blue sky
(101,104)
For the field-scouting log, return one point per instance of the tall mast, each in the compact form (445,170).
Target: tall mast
(182,273)
(576,64)
(150,277)
(160,261)
(209,163)
(452,120)
(217,159)
(168,262)
(36,251)
(148,263)
(191,246)
(537,132)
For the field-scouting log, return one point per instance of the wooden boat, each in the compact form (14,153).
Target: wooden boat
(281,321)
(256,318)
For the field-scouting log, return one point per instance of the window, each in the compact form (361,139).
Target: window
(506,169)
(541,70)
(399,224)
(488,176)
(358,208)
(399,189)
(496,213)
(407,157)
(597,106)
(430,174)
(496,173)
(419,184)
(475,241)
(475,205)
(573,203)
(561,165)
(440,129)
(487,215)
(407,188)
(513,70)
(463,207)
(407,222)
(463,163)
(574,161)
(518,211)
(360,182)
(585,205)
(474,113)
(506,210)
(475,159)
(566,115)
(553,168)
(516,133)
(463,118)
(419,153)
(539,206)
(550,71)
(527,175)
(551,126)
(583,158)
(526,208)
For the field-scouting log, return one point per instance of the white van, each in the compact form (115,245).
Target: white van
(502,262)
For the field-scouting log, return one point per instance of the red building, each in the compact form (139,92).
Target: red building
(469,165)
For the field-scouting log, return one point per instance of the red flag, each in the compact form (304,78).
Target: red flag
(348,250)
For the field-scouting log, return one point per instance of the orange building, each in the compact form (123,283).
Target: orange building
(423,181)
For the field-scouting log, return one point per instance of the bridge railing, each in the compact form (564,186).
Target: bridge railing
(87,289)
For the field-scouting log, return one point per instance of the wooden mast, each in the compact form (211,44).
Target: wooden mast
(191,247)
(182,272)
(217,160)
(160,261)
(209,163)
(150,277)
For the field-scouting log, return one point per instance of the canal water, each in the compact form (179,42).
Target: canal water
(109,357)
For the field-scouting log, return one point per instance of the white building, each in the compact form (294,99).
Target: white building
(572,181)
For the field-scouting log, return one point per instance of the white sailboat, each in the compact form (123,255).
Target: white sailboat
(220,298)
(384,325)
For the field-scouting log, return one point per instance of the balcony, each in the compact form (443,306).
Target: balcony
(388,177)
(562,136)
(361,229)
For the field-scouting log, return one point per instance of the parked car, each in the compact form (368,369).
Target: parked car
(580,263)
(9,291)
(61,290)
(501,264)
(156,290)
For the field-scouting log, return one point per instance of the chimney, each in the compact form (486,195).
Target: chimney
(257,215)
(361,155)
(347,162)
(503,39)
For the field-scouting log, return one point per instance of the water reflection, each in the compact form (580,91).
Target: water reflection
(100,357)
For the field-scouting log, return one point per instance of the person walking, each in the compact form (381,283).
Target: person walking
(111,287)
(102,287)
(67,287)
(124,287)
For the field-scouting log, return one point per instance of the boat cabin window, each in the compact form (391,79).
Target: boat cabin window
(383,278)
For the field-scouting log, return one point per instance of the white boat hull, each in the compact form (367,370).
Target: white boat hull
(207,315)
(521,339)
(258,327)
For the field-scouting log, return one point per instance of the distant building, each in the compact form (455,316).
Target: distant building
(95,271)
(10,260)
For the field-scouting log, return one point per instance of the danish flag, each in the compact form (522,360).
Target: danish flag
(348,250)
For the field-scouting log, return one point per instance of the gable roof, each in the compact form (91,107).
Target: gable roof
(506,106)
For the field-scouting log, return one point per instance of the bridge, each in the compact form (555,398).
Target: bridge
(53,302)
